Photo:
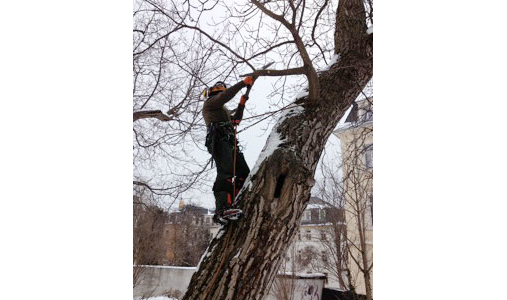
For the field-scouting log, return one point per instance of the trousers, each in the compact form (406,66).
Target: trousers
(220,143)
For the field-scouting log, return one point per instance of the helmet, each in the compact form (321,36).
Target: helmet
(219,86)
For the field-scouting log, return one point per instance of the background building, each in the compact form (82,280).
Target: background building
(187,233)
(316,248)
(356,137)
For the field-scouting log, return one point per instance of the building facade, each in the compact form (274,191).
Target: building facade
(187,233)
(316,245)
(356,137)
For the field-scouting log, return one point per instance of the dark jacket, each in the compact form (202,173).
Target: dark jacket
(214,111)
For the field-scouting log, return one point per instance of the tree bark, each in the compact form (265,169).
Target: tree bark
(243,260)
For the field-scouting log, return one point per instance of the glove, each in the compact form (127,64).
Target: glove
(248,80)
(243,99)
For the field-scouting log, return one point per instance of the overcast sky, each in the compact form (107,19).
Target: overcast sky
(254,138)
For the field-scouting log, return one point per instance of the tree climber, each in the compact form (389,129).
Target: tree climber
(223,147)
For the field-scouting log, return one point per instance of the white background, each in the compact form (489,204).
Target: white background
(440,155)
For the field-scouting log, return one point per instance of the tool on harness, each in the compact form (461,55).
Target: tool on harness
(216,131)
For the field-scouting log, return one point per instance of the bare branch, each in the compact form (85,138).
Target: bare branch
(311,74)
(157,114)
(294,71)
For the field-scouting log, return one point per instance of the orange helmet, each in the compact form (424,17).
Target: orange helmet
(219,87)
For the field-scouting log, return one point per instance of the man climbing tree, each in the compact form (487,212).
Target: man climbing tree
(326,44)
(222,144)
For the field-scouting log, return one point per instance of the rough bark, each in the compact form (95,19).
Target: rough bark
(243,260)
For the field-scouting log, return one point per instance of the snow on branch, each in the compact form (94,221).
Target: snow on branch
(333,61)
(157,114)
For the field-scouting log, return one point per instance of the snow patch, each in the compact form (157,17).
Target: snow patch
(312,206)
(303,275)
(302,94)
(369,30)
(321,224)
(290,112)
(165,114)
(274,140)
(203,256)
(237,254)
(220,233)
(333,61)
(208,251)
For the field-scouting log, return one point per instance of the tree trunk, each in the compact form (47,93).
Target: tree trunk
(367,285)
(242,261)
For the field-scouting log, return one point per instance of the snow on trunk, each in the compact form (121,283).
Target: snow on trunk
(370,30)
(243,262)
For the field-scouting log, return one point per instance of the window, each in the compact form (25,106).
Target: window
(323,236)
(308,215)
(367,111)
(324,256)
(368,116)
(368,153)
(323,214)
(207,220)
(309,235)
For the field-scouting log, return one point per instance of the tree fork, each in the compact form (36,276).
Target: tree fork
(259,241)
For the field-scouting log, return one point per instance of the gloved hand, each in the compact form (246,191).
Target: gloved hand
(249,80)
(243,99)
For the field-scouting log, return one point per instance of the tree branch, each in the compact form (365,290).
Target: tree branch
(294,71)
(204,33)
(315,27)
(274,16)
(157,114)
(310,72)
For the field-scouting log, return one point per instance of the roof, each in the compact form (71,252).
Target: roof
(196,209)
(351,117)
(316,202)
(302,275)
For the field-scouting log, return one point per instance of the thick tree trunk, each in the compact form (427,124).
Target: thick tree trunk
(243,260)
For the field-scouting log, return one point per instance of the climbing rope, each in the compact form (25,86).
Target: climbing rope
(234,165)
(269,114)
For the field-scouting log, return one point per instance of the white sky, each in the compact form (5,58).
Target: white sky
(253,139)
(68,174)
